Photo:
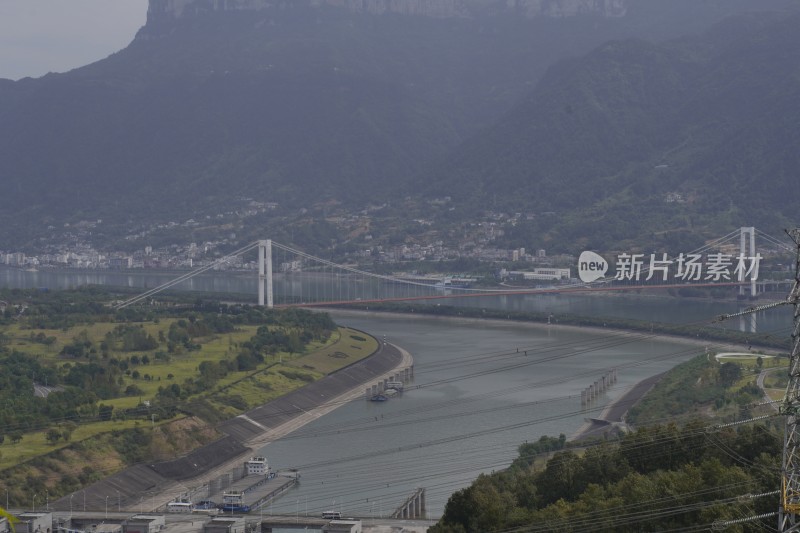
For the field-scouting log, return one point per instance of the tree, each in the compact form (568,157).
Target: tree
(603,462)
(561,478)
(53,435)
(460,509)
(133,390)
(492,506)
(729,374)
(294,344)
(66,432)
(105,411)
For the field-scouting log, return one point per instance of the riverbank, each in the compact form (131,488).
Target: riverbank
(198,484)
(613,416)
(614,413)
(702,344)
(701,328)
(433,340)
(148,487)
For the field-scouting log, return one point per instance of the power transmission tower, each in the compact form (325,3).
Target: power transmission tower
(789,511)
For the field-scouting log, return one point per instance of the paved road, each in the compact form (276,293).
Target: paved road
(193,523)
(760,382)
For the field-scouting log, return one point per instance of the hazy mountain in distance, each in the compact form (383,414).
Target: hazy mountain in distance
(289,101)
(638,139)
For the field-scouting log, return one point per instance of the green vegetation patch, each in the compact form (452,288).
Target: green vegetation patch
(109,375)
(776,380)
(347,349)
(660,476)
(698,387)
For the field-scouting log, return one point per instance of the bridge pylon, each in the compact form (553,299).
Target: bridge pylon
(265,273)
(745,235)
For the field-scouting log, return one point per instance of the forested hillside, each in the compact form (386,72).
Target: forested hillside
(79,379)
(662,476)
(639,139)
(307,103)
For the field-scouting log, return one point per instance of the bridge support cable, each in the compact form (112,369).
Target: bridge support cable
(774,241)
(351,281)
(789,510)
(346,268)
(405,285)
(725,239)
(185,277)
(402,289)
(393,283)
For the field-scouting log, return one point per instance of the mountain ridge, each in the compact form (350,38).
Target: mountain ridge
(296,106)
(618,135)
(164,10)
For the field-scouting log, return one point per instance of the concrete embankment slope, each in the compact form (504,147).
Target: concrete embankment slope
(614,414)
(148,486)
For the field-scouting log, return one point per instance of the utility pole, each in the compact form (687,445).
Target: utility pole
(789,511)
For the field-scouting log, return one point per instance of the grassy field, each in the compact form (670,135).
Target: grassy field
(346,346)
(230,396)
(695,388)
(350,346)
(35,444)
(775,383)
(156,373)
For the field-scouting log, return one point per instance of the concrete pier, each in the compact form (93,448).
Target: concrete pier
(413,506)
(404,376)
(598,387)
(258,489)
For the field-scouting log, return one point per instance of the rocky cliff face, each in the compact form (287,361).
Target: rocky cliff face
(161,10)
(569,8)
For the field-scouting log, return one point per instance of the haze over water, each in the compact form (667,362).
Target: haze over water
(656,309)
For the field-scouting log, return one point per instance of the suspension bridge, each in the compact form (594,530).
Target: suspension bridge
(341,284)
(288,277)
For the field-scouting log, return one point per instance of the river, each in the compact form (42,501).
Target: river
(478,400)
(310,287)
(481,388)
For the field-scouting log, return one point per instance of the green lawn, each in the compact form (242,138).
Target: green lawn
(351,346)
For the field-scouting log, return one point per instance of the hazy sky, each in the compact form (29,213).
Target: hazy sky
(41,36)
